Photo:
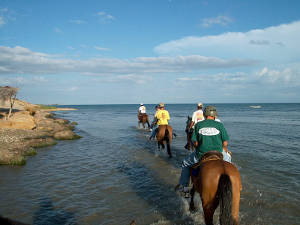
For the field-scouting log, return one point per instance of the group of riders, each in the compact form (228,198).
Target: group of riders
(207,134)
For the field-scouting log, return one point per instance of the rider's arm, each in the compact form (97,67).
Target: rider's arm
(192,124)
(225,146)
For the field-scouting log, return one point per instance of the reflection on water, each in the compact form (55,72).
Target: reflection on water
(114,174)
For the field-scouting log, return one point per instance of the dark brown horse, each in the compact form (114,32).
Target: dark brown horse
(143,118)
(188,132)
(218,183)
(164,134)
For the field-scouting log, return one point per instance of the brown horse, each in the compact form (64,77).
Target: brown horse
(143,119)
(164,134)
(218,182)
(189,144)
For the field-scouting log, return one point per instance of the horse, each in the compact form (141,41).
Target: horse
(143,118)
(217,182)
(189,144)
(164,134)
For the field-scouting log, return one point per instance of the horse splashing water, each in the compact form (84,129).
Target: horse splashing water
(218,183)
(143,119)
(165,134)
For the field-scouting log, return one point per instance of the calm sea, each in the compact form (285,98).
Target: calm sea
(114,174)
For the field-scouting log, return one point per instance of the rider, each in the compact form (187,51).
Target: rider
(154,131)
(141,110)
(197,116)
(208,135)
(162,116)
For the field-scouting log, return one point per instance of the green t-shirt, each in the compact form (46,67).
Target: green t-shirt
(210,136)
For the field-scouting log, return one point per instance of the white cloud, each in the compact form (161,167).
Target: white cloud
(288,77)
(57,30)
(79,22)
(2,22)
(74,88)
(101,48)
(24,61)
(21,80)
(105,17)
(280,43)
(219,20)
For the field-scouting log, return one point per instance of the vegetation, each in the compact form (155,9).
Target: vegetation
(47,106)
(8,93)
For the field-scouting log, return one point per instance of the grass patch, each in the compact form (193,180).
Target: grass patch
(47,106)
(18,161)
(30,152)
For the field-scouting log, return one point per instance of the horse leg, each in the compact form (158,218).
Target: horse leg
(192,204)
(235,200)
(169,148)
(209,211)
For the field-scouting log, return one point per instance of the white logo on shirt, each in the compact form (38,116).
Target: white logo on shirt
(209,131)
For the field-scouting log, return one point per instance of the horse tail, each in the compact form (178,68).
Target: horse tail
(225,199)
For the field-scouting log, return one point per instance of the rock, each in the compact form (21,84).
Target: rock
(66,135)
(19,120)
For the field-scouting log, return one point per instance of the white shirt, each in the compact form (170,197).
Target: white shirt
(142,109)
(197,116)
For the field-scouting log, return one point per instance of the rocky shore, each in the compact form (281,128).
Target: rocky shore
(28,129)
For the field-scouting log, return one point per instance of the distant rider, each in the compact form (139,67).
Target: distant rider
(197,116)
(208,135)
(141,111)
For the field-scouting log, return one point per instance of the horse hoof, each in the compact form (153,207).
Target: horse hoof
(170,156)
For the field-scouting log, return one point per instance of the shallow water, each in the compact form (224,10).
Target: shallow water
(114,174)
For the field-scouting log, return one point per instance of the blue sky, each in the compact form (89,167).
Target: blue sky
(118,51)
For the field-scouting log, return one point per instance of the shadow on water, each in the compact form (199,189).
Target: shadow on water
(159,195)
(48,215)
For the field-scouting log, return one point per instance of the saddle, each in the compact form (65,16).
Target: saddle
(211,155)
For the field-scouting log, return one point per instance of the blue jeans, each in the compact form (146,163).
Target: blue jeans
(154,131)
(185,172)
(188,162)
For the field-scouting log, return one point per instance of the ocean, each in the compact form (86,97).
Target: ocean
(114,174)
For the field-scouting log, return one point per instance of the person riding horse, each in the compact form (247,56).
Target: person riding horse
(164,130)
(208,135)
(142,116)
(197,117)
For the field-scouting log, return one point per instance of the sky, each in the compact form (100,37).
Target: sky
(149,51)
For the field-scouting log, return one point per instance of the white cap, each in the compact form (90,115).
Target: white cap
(200,104)
(142,104)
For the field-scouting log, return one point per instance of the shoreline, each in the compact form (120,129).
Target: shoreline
(31,128)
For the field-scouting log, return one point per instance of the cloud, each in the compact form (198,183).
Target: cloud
(57,30)
(105,17)
(101,48)
(277,43)
(259,42)
(219,20)
(288,77)
(2,22)
(20,80)
(21,60)
(79,22)
(138,79)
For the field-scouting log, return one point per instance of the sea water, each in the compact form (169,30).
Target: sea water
(114,174)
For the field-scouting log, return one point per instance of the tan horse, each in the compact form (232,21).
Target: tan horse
(143,118)
(218,182)
(164,134)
